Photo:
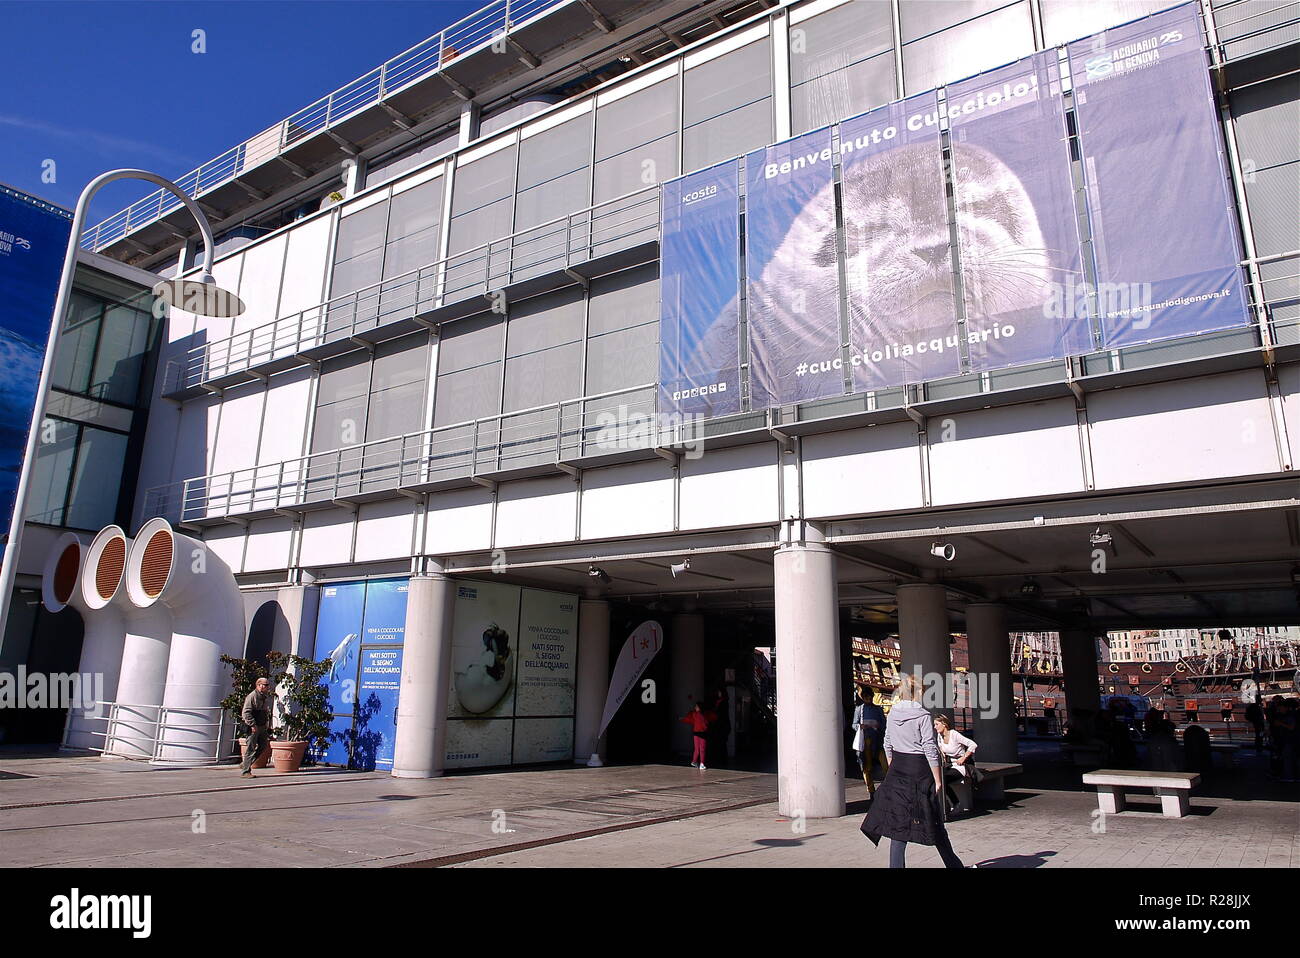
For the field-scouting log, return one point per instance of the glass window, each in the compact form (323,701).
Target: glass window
(1066,20)
(835,39)
(637,119)
(728,104)
(967,49)
(623,330)
(555,152)
(359,251)
(123,343)
(96,481)
(413,229)
(920,19)
(469,369)
(838,94)
(51,471)
(544,349)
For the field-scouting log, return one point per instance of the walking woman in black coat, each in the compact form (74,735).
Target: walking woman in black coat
(907,805)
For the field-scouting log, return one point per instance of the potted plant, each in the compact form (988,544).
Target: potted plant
(304,709)
(244,674)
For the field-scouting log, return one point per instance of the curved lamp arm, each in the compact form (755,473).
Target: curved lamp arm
(9,566)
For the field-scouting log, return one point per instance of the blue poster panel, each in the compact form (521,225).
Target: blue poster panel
(1017,231)
(699,304)
(33,242)
(898,264)
(1164,232)
(338,637)
(377,693)
(385,618)
(792,272)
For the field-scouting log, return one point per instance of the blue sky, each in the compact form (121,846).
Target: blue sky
(98,85)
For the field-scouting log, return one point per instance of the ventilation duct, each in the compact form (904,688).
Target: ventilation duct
(68,572)
(184,575)
(143,636)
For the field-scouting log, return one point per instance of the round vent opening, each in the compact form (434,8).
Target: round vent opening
(65,573)
(108,571)
(156,564)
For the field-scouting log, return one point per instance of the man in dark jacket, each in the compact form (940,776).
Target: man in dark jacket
(257,716)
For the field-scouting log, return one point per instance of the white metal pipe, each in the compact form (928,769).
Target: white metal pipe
(182,574)
(140,671)
(59,590)
(101,647)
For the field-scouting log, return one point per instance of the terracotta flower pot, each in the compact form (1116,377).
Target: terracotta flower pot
(262,761)
(287,756)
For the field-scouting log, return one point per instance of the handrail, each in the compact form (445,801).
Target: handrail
(544,433)
(465,36)
(458,276)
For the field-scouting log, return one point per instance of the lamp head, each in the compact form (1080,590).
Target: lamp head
(201,296)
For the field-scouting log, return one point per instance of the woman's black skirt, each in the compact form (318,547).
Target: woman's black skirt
(906,806)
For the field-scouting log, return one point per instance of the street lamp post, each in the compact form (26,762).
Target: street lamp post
(201,296)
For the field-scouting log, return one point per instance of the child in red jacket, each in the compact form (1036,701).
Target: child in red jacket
(698,720)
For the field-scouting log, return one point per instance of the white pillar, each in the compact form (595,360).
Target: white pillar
(686,659)
(1079,665)
(593,678)
(809,722)
(421,743)
(989,652)
(924,639)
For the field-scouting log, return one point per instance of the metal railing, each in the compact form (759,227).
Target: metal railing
(430,56)
(1247,28)
(608,227)
(564,430)
(146,724)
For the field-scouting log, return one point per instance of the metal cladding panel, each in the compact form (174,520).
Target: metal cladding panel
(327,537)
(459,520)
(861,471)
(384,530)
(1013,452)
(260,282)
(284,421)
(1211,427)
(305,265)
(269,541)
(534,511)
(227,544)
(238,428)
(627,500)
(734,486)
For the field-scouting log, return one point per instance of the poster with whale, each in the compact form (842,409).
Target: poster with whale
(1019,248)
(898,257)
(1165,233)
(792,272)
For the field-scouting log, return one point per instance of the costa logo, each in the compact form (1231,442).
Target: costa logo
(701,194)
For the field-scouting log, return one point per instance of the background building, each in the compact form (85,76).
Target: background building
(450,385)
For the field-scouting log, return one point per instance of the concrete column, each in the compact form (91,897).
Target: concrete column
(686,673)
(593,679)
(924,639)
(989,652)
(810,721)
(1079,665)
(421,743)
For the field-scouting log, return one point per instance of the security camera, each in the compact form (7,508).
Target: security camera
(677,568)
(944,550)
(597,573)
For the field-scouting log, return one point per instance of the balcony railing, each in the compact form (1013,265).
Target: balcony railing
(541,436)
(473,32)
(613,226)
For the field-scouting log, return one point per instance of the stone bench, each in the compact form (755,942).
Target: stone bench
(991,788)
(1172,788)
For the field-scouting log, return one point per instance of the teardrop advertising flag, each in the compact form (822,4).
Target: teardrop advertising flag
(641,646)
